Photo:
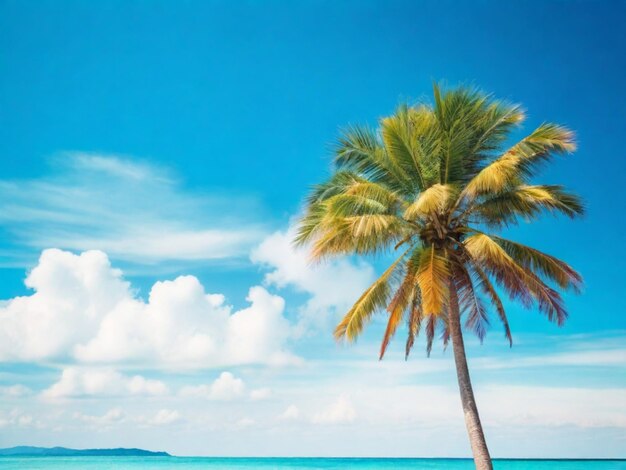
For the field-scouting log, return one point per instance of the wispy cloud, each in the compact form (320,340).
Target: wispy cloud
(135,211)
(607,358)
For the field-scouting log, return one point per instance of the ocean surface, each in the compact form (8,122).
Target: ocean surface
(183,463)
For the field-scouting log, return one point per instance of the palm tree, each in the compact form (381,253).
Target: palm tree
(432,184)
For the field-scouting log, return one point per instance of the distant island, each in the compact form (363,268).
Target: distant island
(28,451)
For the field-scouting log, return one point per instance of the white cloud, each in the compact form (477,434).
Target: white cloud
(17,418)
(339,412)
(225,387)
(260,394)
(25,420)
(164,417)
(291,413)
(380,403)
(607,357)
(119,166)
(116,416)
(72,295)
(506,405)
(78,382)
(134,211)
(245,423)
(83,310)
(111,417)
(502,406)
(14,391)
(333,286)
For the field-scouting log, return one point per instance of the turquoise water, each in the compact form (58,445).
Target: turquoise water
(183,463)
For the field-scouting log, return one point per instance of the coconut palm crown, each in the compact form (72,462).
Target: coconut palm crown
(435,185)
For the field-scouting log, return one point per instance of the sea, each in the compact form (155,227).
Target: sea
(211,463)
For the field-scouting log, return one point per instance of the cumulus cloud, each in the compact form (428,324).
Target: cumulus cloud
(333,286)
(72,295)
(83,310)
(339,412)
(225,387)
(78,382)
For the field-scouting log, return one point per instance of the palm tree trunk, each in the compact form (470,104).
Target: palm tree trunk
(482,460)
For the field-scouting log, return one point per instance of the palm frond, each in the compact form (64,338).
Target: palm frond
(310,224)
(528,202)
(410,143)
(404,297)
(472,124)
(452,109)
(363,234)
(497,121)
(431,324)
(336,184)
(548,300)
(489,290)
(432,279)
(470,304)
(396,308)
(316,211)
(536,261)
(376,192)
(494,178)
(519,283)
(374,298)
(359,150)
(432,201)
(521,160)
(491,257)
(363,198)
(414,323)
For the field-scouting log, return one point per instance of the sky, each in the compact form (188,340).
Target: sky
(155,156)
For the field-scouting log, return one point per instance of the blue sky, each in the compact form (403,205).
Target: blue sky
(179,139)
